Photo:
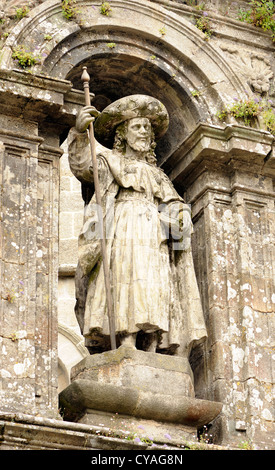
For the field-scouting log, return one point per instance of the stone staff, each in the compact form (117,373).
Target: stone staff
(86,79)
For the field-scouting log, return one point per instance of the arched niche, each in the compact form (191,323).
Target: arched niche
(141,47)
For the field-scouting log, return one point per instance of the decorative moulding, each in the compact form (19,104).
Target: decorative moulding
(219,145)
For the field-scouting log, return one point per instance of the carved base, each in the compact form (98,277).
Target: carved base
(140,370)
(139,390)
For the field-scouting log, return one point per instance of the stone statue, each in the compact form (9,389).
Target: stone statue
(155,296)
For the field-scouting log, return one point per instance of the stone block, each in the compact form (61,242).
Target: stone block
(136,385)
(139,370)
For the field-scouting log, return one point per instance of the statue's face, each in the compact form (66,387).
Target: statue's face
(138,135)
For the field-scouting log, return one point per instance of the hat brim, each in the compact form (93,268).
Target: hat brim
(126,108)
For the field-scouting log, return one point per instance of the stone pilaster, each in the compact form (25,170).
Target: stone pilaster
(29,206)
(228,175)
(29,198)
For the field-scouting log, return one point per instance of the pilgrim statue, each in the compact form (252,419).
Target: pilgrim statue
(155,295)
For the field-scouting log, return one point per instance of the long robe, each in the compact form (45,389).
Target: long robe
(152,275)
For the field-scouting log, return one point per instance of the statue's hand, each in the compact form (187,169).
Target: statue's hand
(85,116)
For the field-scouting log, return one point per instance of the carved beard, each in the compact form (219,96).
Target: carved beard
(144,148)
(140,145)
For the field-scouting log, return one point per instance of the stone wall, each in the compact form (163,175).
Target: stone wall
(29,202)
(224,169)
(233,210)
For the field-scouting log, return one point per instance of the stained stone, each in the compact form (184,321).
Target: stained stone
(224,169)
(136,385)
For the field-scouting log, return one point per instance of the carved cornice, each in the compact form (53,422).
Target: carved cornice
(37,97)
(35,80)
(217,146)
(225,27)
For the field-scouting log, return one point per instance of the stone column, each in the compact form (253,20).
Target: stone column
(228,175)
(29,179)
(29,204)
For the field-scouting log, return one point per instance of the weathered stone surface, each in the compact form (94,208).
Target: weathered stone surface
(136,385)
(132,368)
(27,432)
(29,202)
(234,211)
(83,395)
(229,182)
(146,262)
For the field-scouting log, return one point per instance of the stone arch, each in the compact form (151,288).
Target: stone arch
(140,47)
(70,351)
(226,172)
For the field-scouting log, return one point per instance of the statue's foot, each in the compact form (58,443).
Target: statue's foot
(129,341)
(153,345)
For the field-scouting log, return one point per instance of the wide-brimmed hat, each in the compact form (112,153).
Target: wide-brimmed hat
(126,108)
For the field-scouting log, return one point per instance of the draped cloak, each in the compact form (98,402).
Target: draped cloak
(152,275)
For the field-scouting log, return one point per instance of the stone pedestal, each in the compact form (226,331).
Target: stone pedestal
(146,394)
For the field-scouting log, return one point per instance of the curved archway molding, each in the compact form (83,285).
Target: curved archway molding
(71,350)
(139,47)
(141,19)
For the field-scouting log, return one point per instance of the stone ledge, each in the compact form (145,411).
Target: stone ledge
(219,145)
(38,95)
(27,432)
(87,394)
